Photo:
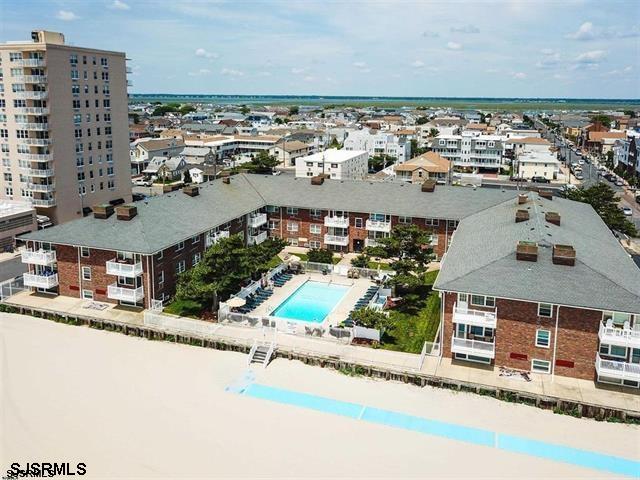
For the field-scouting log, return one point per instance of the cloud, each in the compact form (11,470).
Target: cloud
(309,78)
(591,57)
(550,59)
(620,72)
(118,5)
(454,46)
(201,52)
(585,32)
(417,64)
(588,31)
(66,16)
(430,34)
(202,71)
(360,64)
(519,75)
(298,71)
(465,29)
(230,72)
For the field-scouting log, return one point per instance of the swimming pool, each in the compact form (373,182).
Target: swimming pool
(311,302)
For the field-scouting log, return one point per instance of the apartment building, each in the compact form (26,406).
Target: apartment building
(64,137)
(471,152)
(288,151)
(523,287)
(337,164)
(625,155)
(16,217)
(379,143)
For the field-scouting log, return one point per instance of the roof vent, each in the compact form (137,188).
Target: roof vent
(126,212)
(102,211)
(522,216)
(226,180)
(317,180)
(527,251)
(552,217)
(428,185)
(548,194)
(564,255)
(522,198)
(191,190)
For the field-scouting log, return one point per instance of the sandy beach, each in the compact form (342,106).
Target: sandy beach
(132,408)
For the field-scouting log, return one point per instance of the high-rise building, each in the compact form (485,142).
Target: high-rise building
(64,142)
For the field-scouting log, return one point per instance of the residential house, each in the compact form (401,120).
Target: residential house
(429,165)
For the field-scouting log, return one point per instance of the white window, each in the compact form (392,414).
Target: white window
(292,226)
(87,294)
(180,246)
(196,259)
(315,212)
(483,301)
(84,252)
(160,255)
(404,220)
(545,310)
(613,350)
(180,266)
(86,273)
(358,222)
(292,211)
(431,222)
(161,278)
(315,229)
(540,366)
(195,239)
(543,338)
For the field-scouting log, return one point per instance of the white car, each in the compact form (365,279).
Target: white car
(581,162)
(627,211)
(142,183)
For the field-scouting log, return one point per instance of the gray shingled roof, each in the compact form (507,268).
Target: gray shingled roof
(482,258)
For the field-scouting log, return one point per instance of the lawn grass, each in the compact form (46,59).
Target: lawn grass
(383,266)
(274,262)
(184,308)
(305,258)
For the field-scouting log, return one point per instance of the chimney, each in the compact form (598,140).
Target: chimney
(317,180)
(102,211)
(522,198)
(552,217)
(564,255)
(226,180)
(548,194)
(522,216)
(527,251)
(191,190)
(428,185)
(126,212)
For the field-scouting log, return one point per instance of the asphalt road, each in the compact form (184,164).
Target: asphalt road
(12,268)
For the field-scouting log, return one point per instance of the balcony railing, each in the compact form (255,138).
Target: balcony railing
(31,95)
(34,172)
(32,110)
(36,157)
(41,187)
(625,337)
(33,126)
(215,238)
(336,222)
(30,79)
(40,281)
(336,240)
(617,370)
(30,62)
(371,242)
(39,257)
(42,142)
(477,348)
(257,239)
(257,220)
(474,317)
(124,269)
(378,226)
(43,202)
(125,294)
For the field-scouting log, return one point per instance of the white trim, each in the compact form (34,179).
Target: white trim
(542,361)
(548,345)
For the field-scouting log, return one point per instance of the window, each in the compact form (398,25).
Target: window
(272,209)
(315,212)
(545,310)
(273,225)
(86,273)
(452,223)
(160,255)
(542,338)
(161,278)
(431,222)
(483,301)
(618,319)
(180,266)
(195,239)
(613,350)
(196,259)
(540,366)
(84,252)
(404,220)
(292,211)
(87,294)
(358,222)
(180,246)
(315,229)
(292,226)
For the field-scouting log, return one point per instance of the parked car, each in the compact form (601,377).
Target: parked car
(638,199)
(581,161)
(141,182)
(137,197)
(627,211)
(579,176)
(619,183)
(539,179)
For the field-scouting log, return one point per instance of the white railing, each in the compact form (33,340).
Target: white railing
(32,110)
(616,369)
(257,239)
(43,202)
(30,78)
(33,95)
(252,352)
(336,240)
(214,238)
(10,287)
(40,281)
(336,222)
(30,62)
(33,126)
(38,257)
(378,226)
(179,324)
(41,187)
(122,269)
(39,157)
(257,220)
(36,141)
(626,337)
(126,294)
(371,242)
(474,317)
(34,172)
(473,347)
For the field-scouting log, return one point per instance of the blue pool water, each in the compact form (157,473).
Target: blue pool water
(311,302)
(478,436)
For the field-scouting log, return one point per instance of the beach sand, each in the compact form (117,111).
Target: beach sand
(132,408)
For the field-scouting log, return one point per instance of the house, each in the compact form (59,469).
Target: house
(537,164)
(198,155)
(602,142)
(430,165)
(288,151)
(337,164)
(169,168)
(143,150)
(472,152)
(625,156)
(379,143)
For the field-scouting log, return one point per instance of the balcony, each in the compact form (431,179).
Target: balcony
(257,220)
(624,337)
(617,370)
(477,348)
(336,222)
(34,172)
(43,202)
(40,281)
(31,95)
(125,294)
(39,127)
(30,79)
(378,226)
(40,142)
(30,62)
(32,110)
(257,239)
(212,239)
(124,269)
(39,257)
(478,318)
(36,157)
(371,242)
(336,240)
(41,187)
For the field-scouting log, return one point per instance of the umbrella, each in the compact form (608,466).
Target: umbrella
(294,258)
(236,302)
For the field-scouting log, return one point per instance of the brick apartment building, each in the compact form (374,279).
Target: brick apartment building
(507,298)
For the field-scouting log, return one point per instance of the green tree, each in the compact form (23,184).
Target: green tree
(244,109)
(335,143)
(631,113)
(434,132)
(294,110)
(603,119)
(361,261)
(604,201)
(319,255)
(370,318)
(422,120)
(263,162)
(608,159)
(278,121)
(187,108)
(378,162)
(161,110)
(135,117)
(186,177)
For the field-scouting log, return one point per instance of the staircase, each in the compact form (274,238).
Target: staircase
(261,352)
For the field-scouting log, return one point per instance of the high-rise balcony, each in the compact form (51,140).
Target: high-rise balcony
(41,187)
(339,240)
(371,242)
(257,239)
(30,62)
(477,348)
(125,294)
(36,157)
(39,257)
(616,370)
(30,79)
(336,222)
(479,318)
(46,281)
(257,220)
(624,337)
(378,226)
(31,95)
(33,126)
(43,202)
(39,142)
(35,172)
(119,268)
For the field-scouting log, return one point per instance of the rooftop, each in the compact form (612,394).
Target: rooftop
(332,155)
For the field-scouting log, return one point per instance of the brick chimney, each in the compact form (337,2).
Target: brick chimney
(191,190)
(317,180)
(548,194)
(126,212)
(102,211)
(226,180)
(564,255)
(522,216)
(552,217)
(428,185)
(527,251)
(522,198)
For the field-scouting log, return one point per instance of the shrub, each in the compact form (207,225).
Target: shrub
(361,261)
(318,255)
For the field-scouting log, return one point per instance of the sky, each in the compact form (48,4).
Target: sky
(510,48)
